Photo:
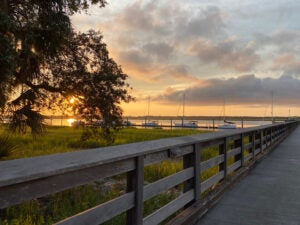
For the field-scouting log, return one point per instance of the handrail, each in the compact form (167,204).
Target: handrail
(44,175)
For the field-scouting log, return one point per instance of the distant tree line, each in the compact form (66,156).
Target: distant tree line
(44,62)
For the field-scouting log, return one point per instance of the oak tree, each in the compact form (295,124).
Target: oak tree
(43,60)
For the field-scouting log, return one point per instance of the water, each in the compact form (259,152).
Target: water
(208,124)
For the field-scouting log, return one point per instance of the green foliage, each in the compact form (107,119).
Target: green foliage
(158,171)
(66,139)
(43,62)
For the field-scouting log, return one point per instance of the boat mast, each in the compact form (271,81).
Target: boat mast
(224,112)
(272,109)
(148,107)
(183,106)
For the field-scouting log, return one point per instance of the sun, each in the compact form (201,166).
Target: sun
(70,121)
(72,100)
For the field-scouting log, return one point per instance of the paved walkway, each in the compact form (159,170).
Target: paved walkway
(269,195)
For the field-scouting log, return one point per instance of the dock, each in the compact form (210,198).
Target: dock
(269,195)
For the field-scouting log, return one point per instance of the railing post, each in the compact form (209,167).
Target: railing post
(135,182)
(197,172)
(261,133)
(242,150)
(270,139)
(271,136)
(238,143)
(267,137)
(223,150)
(193,160)
(253,146)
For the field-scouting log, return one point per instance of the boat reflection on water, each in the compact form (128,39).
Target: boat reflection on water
(227,125)
(150,124)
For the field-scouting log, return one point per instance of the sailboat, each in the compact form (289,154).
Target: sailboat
(148,123)
(227,124)
(191,124)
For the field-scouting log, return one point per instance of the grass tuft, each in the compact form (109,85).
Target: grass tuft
(7,146)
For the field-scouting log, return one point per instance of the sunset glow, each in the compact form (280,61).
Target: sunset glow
(241,51)
(70,121)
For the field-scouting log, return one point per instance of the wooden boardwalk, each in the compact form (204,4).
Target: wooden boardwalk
(269,195)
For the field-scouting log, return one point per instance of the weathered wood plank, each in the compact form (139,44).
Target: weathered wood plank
(234,166)
(156,157)
(257,141)
(21,192)
(210,143)
(169,209)
(166,183)
(135,184)
(257,151)
(248,146)
(234,138)
(242,150)
(212,162)
(234,152)
(212,181)
(197,172)
(248,157)
(101,213)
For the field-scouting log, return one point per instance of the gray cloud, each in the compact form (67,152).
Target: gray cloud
(288,63)
(142,17)
(206,23)
(175,74)
(244,90)
(282,40)
(159,50)
(227,54)
(135,57)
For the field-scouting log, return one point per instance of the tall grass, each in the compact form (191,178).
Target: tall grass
(66,139)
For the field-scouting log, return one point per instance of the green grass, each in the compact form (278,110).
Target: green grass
(66,139)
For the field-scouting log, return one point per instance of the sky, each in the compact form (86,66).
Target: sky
(240,53)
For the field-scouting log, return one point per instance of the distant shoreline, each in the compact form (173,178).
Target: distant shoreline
(279,118)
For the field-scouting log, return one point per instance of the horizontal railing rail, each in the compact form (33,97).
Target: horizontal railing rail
(30,178)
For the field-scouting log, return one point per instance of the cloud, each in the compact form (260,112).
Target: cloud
(285,40)
(141,66)
(207,23)
(141,16)
(244,90)
(176,73)
(228,54)
(288,63)
(159,50)
(164,42)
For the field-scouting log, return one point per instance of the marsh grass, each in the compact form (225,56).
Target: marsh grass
(67,139)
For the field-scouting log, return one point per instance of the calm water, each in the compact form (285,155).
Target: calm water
(201,123)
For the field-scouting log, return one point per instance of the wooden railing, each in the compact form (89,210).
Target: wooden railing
(25,179)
